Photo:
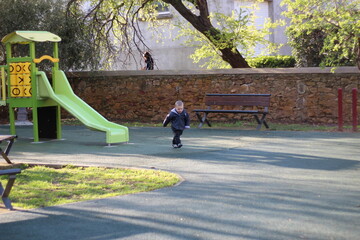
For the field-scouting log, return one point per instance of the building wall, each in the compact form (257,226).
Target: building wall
(170,54)
(279,35)
(298,95)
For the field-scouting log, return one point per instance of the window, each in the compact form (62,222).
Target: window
(163,11)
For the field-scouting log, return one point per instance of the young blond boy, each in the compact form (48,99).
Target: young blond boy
(180,120)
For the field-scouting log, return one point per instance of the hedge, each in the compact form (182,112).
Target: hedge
(272,62)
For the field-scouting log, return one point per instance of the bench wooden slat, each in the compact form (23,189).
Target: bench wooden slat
(10,171)
(7,137)
(227,111)
(263,101)
(240,94)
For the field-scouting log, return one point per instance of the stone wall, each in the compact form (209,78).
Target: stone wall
(298,95)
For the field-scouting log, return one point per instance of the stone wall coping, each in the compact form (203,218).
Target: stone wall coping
(310,70)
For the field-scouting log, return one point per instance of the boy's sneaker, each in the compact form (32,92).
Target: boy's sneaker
(175,146)
(179,145)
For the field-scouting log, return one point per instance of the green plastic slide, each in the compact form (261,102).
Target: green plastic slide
(66,98)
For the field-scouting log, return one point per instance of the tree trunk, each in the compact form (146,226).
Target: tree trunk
(202,23)
(235,59)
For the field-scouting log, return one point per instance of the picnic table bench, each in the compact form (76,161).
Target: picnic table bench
(259,101)
(6,192)
(10,140)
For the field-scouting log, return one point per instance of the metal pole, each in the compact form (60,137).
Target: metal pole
(3,84)
(340,110)
(354,109)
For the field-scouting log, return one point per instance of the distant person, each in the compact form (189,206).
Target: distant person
(180,120)
(149,61)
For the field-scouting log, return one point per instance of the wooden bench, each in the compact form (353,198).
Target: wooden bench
(6,192)
(244,101)
(10,140)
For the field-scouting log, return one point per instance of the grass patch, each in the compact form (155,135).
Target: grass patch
(41,186)
(302,127)
(71,122)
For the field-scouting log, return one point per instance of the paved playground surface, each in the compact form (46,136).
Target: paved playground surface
(238,184)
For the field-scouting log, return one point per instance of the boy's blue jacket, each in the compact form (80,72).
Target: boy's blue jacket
(179,121)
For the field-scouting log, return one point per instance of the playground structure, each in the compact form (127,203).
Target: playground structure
(23,85)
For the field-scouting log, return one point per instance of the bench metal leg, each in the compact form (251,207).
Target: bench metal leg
(203,119)
(261,121)
(264,121)
(5,193)
(265,124)
(5,153)
(8,147)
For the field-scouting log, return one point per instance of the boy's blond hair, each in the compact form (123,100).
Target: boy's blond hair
(179,103)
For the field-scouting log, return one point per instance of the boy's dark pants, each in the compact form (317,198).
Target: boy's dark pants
(177,134)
